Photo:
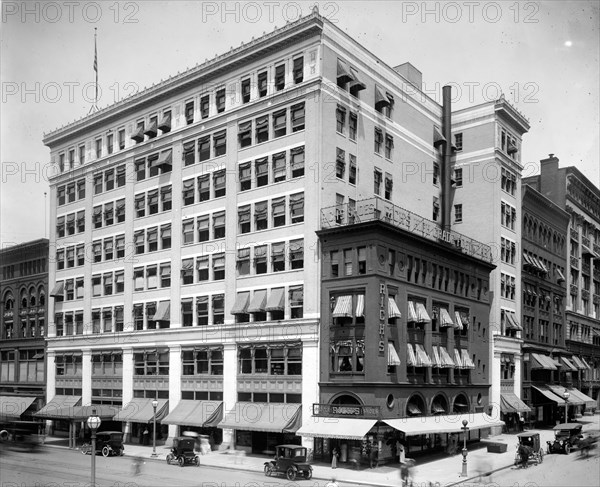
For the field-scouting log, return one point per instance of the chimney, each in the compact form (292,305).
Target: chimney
(412,74)
(446,169)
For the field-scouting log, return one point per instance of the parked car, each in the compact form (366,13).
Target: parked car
(290,460)
(182,452)
(566,436)
(108,443)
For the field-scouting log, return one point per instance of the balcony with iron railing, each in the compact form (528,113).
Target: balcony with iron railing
(575,262)
(574,234)
(376,209)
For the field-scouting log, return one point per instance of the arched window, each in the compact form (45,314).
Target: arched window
(415,406)
(461,404)
(439,405)
(32,297)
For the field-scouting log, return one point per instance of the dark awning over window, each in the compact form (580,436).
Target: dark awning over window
(381,100)
(196,413)
(276,301)
(58,289)
(343,73)
(257,305)
(241,303)
(163,313)
(438,138)
(510,403)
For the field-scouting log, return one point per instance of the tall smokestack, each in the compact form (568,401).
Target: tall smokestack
(447,156)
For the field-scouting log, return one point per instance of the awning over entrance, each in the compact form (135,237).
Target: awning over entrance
(140,410)
(587,400)
(196,413)
(341,428)
(444,423)
(58,403)
(275,417)
(541,361)
(549,395)
(559,390)
(510,403)
(11,407)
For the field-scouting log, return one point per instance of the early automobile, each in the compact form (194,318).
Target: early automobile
(108,443)
(529,446)
(566,436)
(290,460)
(21,435)
(589,443)
(182,452)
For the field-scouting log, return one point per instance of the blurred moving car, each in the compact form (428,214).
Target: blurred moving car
(21,435)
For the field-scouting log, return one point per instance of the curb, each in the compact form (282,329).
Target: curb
(485,474)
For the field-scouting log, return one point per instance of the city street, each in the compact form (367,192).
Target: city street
(54,467)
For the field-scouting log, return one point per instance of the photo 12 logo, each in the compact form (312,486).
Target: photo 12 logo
(54,12)
(470,12)
(272,12)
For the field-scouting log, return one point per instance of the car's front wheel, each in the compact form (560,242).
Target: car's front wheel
(181,461)
(269,469)
(308,474)
(86,448)
(290,473)
(106,451)
(197,461)
(541,454)
(567,449)
(169,459)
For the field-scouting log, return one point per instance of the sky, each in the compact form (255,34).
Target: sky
(542,55)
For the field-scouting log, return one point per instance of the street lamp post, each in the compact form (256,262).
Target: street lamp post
(566,396)
(93,423)
(154,406)
(464,450)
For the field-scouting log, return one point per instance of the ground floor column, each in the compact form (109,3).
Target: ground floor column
(229,387)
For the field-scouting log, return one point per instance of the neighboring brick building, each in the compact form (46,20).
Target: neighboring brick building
(23,294)
(570,190)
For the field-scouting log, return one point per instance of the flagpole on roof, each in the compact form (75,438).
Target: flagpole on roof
(95,105)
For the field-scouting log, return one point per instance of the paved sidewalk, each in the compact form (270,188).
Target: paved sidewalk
(442,470)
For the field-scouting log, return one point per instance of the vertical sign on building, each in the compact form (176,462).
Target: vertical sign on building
(382,317)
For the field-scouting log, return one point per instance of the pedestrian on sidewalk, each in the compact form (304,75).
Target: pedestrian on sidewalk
(334,458)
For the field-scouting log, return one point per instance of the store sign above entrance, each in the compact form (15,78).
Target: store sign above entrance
(346,410)
(382,318)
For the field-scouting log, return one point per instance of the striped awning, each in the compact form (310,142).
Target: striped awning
(360,305)
(423,359)
(257,305)
(587,400)
(549,395)
(466,359)
(339,428)
(559,390)
(511,320)
(393,357)
(510,403)
(440,424)
(140,410)
(458,324)
(422,315)
(276,301)
(57,404)
(411,357)
(437,361)
(393,310)
(457,360)
(445,319)
(343,307)
(578,363)
(196,413)
(412,313)
(241,303)
(446,359)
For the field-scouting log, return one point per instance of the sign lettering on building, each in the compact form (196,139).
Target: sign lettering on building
(382,318)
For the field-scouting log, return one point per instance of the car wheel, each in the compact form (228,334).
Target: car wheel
(85,448)
(122,451)
(268,470)
(567,449)
(541,455)
(181,461)
(290,473)
(197,460)
(106,451)
(169,459)
(308,474)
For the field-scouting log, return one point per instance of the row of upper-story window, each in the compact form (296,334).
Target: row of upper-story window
(29,298)
(106,284)
(536,231)
(541,267)
(27,268)
(273,168)
(23,366)
(211,103)
(539,330)
(541,298)
(353,261)
(268,305)
(271,125)
(507,286)
(284,256)
(30,327)
(275,213)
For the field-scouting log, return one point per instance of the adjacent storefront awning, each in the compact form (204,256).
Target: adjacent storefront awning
(340,428)
(549,394)
(559,390)
(446,423)
(11,407)
(541,361)
(53,408)
(568,364)
(257,416)
(510,403)
(196,413)
(140,410)
(587,400)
